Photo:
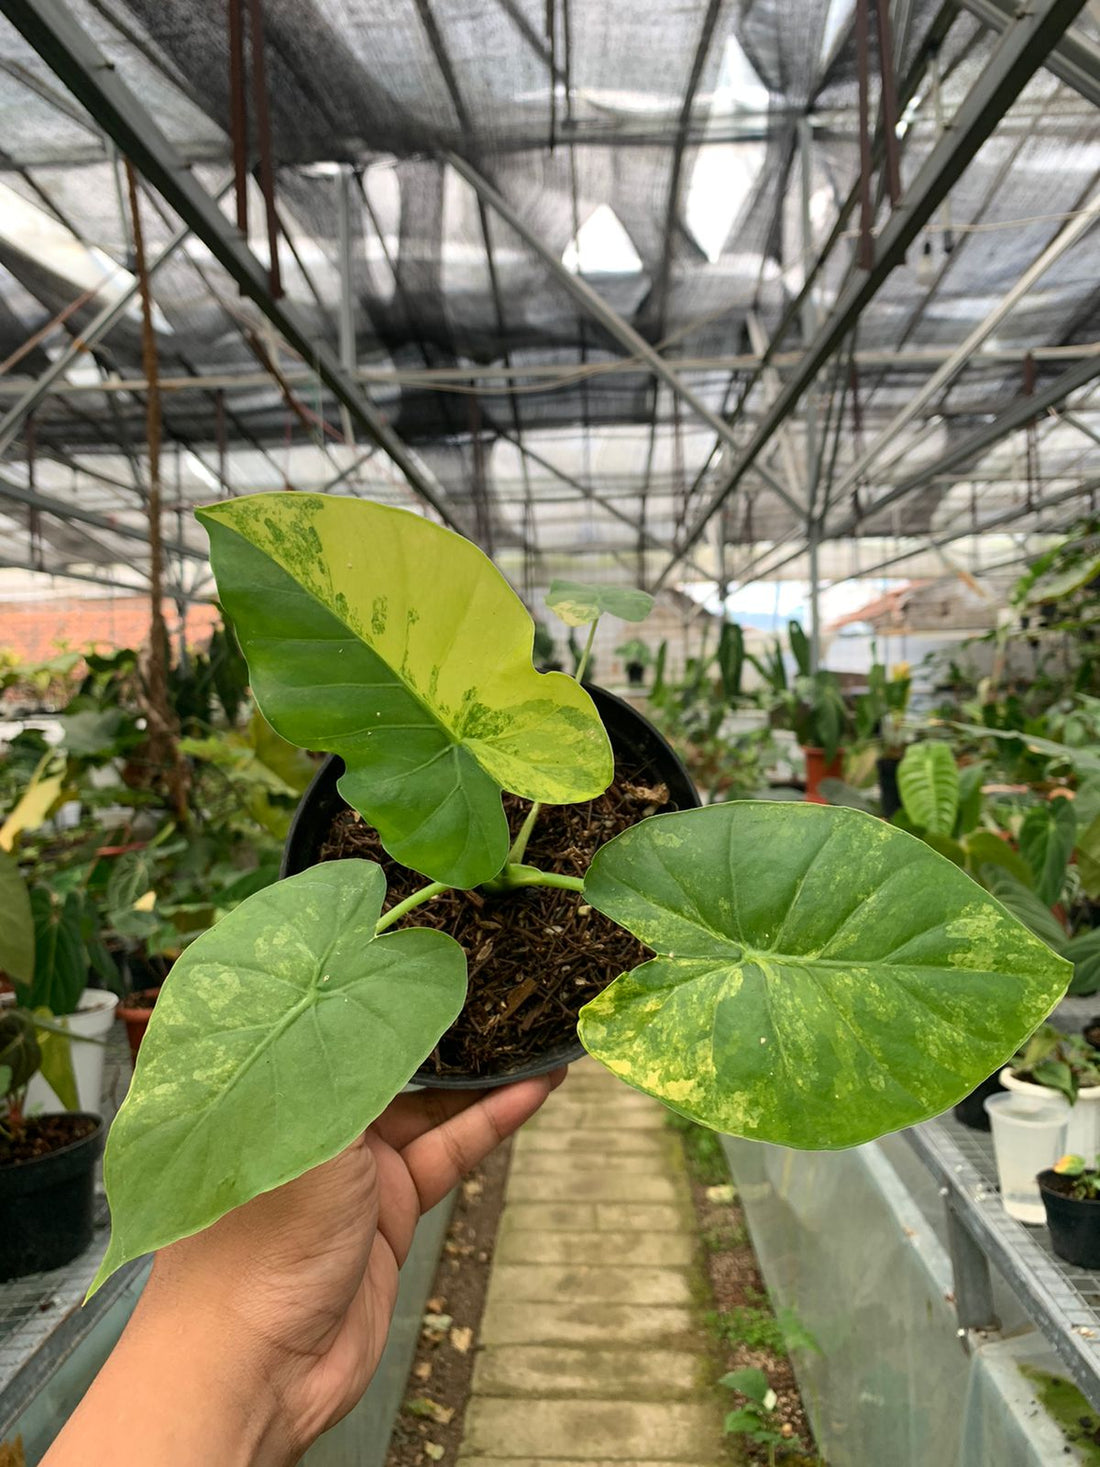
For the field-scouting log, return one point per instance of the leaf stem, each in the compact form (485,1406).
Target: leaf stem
(586,655)
(417,899)
(532,876)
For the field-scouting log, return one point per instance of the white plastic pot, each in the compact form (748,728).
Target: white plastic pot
(93,1019)
(1083,1129)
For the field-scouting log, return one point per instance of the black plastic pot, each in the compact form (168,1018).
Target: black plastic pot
(1074,1224)
(634,740)
(888,786)
(46,1216)
(971,1111)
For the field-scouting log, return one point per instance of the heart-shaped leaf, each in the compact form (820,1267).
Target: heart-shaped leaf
(928,782)
(278,1036)
(823,977)
(577,604)
(1083,951)
(60,962)
(17,927)
(375,634)
(1046,844)
(970,798)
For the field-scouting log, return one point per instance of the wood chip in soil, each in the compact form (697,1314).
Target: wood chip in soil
(536,955)
(736,1283)
(429,1426)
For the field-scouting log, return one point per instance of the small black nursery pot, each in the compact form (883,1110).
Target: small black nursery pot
(637,746)
(1074,1222)
(46,1204)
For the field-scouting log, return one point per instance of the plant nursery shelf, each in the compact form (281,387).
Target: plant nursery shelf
(1062,1301)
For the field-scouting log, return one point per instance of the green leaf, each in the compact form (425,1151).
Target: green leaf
(839,792)
(800,647)
(279,1035)
(928,782)
(822,978)
(1061,582)
(1083,951)
(577,603)
(1046,844)
(17,926)
(1088,858)
(749,1382)
(376,635)
(971,777)
(1024,904)
(19,1050)
(60,962)
(731,659)
(91,731)
(1084,761)
(985,848)
(131,877)
(56,1062)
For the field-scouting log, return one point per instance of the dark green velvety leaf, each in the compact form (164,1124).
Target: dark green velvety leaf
(1046,844)
(1088,858)
(378,636)
(19,1049)
(278,1037)
(970,798)
(985,848)
(1083,951)
(822,977)
(60,962)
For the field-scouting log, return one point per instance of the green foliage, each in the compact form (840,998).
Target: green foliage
(705,1158)
(60,960)
(1024,905)
(290,992)
(1085,1178)
(1063,1062)
(971,779)
(928,782)
(731,659)
(1083,951)
(1046,843)
(758,1327)
(635,651)
(798,976)
(800,648)
(412,661)
(577,604)
(17,926)
(20,1054)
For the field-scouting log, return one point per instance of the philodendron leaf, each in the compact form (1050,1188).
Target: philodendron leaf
(823,977)
(928,782)
(577,604)
(17,926)
(376,635)
(279,1035)
(1046,844)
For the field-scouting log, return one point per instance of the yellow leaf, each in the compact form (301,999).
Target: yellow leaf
(147,902)
(35,804)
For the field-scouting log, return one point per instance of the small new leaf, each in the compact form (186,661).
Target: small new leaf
(577,604)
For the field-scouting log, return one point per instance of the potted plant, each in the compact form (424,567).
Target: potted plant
(812,706)
(1070,1190)
(880,715)
(47,1162)
(766,969)
(636,658)
(1068,1064)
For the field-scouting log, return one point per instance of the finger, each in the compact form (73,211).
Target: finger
(410,1116)
(439,1158)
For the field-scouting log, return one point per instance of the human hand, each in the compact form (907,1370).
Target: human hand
(284,1304)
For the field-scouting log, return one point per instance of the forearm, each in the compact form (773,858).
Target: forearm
(177,1391)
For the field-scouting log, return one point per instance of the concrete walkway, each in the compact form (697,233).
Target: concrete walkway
(590,1352)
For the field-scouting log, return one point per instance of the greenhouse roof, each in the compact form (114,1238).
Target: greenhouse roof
(620,289)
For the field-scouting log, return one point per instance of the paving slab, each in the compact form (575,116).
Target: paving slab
(604,1140)
(553,1283)
(536,1323)
(577,1462)
(615,1374)
(524,1245)
(649,1217)
(649,1116)
(569,1163)
(594,1187)
(614,1431)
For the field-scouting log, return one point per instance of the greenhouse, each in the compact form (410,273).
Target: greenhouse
(549,733)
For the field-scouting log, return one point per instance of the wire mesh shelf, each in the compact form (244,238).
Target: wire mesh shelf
(1062,1300)
(32,1308)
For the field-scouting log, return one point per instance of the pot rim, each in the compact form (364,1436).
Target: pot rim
(1046,1189)
(11,1167)
(1028,1087)
(125,1011)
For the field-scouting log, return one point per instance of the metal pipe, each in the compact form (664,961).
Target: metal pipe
(263,140)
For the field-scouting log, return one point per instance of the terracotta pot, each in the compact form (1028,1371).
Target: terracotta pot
(136,1019)
(819,768)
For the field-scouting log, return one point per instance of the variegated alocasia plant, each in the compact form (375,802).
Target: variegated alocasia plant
(819,976)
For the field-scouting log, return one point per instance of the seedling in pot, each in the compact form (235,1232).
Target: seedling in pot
(818,977)
(1083,1180)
